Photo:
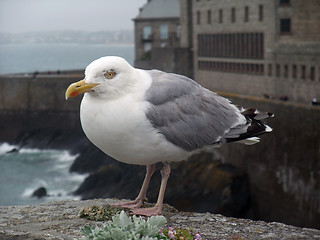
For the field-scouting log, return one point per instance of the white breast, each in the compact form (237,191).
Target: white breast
(120,128)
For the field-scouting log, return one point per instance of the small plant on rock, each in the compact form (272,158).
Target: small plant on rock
(98,213)
(123,227)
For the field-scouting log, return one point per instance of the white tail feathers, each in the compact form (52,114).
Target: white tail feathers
(249,141)
(268,129)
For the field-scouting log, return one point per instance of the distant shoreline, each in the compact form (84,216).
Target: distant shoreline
(64,37)
(73,43)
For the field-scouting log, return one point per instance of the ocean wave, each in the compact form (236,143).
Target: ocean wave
(30,189)
(33,168)
(6,147)
(58,188)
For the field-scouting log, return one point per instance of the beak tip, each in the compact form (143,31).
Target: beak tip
(67,95)
(78,88)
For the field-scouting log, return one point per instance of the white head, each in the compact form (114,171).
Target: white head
(106,77)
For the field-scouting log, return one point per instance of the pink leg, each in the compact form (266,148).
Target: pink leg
(143,192)
(157,209)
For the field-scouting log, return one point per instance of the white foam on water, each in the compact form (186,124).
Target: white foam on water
(35,150)
(59,185)
(63,159)
(34,186)
(6,147)
(33,168)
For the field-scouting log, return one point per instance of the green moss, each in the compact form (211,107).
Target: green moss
(100,213)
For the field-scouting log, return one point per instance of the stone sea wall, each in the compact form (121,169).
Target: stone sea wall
(31,103)
(283,170)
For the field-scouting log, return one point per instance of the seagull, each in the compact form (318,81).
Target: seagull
(148,116)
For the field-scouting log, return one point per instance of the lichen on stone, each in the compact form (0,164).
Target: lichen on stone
(100,213)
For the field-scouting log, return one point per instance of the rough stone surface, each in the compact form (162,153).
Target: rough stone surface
(201,184)
(60,220)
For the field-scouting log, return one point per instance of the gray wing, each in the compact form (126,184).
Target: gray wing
(187,114)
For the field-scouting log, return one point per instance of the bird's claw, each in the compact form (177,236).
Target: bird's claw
(131,204)
(148,212)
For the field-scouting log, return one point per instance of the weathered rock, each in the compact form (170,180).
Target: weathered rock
(40,192)
(90,158)
(60,220)
(201,184)
(13,150)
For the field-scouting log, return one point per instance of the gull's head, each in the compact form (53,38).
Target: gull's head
(104,77)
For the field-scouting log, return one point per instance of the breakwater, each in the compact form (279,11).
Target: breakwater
(283,170)
(32,103)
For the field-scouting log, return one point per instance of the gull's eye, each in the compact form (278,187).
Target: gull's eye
(110,74)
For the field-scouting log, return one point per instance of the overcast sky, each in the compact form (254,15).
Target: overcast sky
(51,15)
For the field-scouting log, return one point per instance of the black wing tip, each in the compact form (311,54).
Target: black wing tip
(256,126)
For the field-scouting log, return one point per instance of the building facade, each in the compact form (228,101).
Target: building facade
(258,47)
(157,38)
(254,47)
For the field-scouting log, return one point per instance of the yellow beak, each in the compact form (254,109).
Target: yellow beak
(78,88)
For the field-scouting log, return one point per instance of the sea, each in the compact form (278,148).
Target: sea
(26,170)
(31,57)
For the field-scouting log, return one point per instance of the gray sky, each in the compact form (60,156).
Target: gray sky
(51,15)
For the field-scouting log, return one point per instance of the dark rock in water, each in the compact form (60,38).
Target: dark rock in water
(40,192)
(202,184)
(13,150)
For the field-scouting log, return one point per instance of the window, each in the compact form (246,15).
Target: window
(231,45)
(146,32)
(178,31)
(285,25)
(286,70)
(209,16)
(278,70)
(303,72)
(260,13)
(198,17)
(312,73)
(270,70)
(147,47)
(164,31)
(294,71)
(220,16)
(246,14)
(284,2)
(233,15)
(231,67)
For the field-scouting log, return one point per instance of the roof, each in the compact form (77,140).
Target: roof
(160,9)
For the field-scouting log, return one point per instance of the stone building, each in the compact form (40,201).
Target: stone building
(252,47)
(157,38)
(257,47)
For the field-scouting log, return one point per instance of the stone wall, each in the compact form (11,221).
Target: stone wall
(175,60)
(284,168)
(305,17)
(30,103)
(60,220)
